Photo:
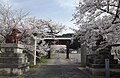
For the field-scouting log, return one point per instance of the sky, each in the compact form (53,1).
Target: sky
(60,11)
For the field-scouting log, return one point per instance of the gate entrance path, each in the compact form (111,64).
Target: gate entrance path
(58,67)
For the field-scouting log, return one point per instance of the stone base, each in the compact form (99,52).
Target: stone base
(101,72)
(12,59)
(12,71)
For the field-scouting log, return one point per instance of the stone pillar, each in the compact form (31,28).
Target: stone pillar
(67,46)
(49,50)
(83,55)
(79,52)
(49,54)
(12,59)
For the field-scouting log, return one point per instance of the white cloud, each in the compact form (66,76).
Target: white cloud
(67,3)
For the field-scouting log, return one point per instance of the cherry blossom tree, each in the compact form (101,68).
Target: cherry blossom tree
(91,9)
(95,18)
(41,28)
(9,19)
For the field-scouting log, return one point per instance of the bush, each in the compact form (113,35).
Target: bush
(43,59)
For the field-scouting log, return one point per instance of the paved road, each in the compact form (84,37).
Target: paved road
(58,68)
(58,71)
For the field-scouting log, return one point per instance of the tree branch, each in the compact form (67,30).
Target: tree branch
(107,11)
(116,15)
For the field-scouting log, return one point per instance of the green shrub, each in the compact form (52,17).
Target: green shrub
(43,59)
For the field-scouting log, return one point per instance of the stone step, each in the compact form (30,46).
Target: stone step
(102,61)
(13,60)
(105,56)
(115,66)
(114,73)
(100,56)
(13,65)
(12,54)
